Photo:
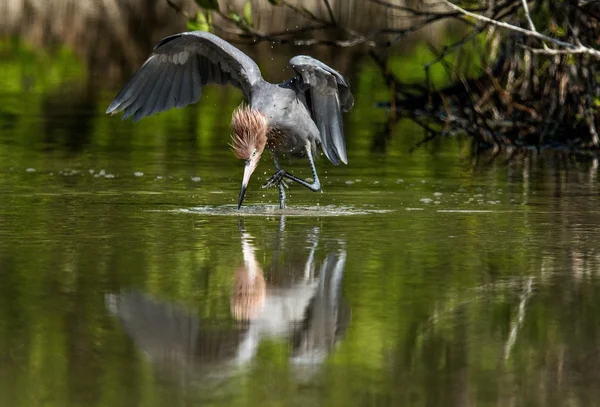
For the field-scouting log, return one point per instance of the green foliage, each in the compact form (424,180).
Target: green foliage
(243,21)
(28,69)
(200,22)
(410,68)
(248,14)
(235,17)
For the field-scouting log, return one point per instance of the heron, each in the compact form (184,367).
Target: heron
(293,118)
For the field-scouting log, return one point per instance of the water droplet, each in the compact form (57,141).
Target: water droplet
(196,179)
(30,170)
(138,174)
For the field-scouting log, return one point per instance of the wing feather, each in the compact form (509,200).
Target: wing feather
(196,81)
(152,99)
(144,95)
(321,114)
(174,92)
(174,73)
(135,93)
(329,95)
(186,88)
(163,102)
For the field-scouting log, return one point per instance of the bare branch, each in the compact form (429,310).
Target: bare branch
(330,11)
(570,51)
(529,20)
(416,12)
(178,9)
(529,33)
(303,12)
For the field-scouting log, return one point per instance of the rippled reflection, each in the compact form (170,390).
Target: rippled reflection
(304,307)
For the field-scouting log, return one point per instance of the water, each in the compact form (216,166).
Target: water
(128,277)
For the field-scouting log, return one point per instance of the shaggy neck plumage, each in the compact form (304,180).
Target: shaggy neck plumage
(250,128)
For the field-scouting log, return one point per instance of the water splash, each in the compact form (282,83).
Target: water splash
(273,210)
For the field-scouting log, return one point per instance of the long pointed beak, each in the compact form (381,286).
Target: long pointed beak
(248,170)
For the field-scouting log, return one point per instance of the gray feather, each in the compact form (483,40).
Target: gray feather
(174,93)
(144,82)
(196,82)
(191,60)
(143,97)
(150,98)
(337,129)
(329,95)
(135,84)
(163,96)
(185,90)
(320,115)
(204,71)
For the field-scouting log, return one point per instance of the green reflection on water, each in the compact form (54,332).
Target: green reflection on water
(435,289)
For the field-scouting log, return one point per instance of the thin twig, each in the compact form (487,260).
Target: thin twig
(416,12)
(570,51)
(524,31)
(529,20)
(330,11)
(178,9)
(303,12)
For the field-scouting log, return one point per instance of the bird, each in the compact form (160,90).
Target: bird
(293,118)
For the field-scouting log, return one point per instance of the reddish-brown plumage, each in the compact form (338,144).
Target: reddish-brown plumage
(249,293)
(250,128)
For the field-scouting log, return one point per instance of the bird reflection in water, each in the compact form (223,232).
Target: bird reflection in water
(306,310)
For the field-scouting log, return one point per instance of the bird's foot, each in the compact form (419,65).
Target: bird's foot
(276,179)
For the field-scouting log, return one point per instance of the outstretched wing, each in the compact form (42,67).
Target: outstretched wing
(174,73)
(328,95)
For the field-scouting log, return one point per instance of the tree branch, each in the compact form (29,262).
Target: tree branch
(572,47)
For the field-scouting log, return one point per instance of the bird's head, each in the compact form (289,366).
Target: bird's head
(249,138)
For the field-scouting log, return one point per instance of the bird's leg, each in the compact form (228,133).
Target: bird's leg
(280,183)
(277,177)
(316,184)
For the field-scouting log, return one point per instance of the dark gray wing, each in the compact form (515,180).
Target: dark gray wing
(328,95)
(174,73)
